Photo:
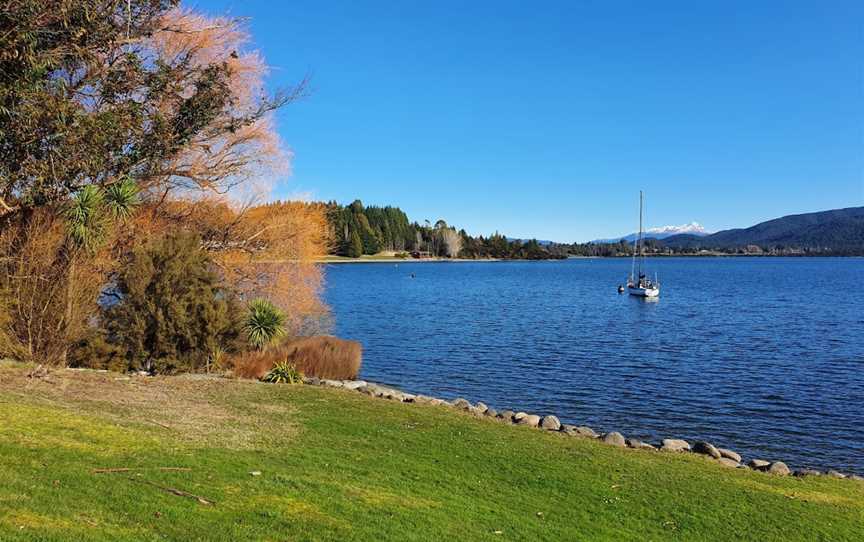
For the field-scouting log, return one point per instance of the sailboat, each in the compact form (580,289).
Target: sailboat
(638,283)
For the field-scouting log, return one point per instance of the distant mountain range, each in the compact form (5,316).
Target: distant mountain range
(839,230)
(693,228)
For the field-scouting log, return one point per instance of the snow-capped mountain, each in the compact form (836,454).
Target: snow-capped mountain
(693,228)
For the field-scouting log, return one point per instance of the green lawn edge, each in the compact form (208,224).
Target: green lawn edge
(337,465)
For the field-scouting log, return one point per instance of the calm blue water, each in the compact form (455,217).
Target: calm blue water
(761,355)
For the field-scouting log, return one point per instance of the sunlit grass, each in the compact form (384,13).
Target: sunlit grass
(337,465)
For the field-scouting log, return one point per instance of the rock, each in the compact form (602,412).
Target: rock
(332,383)
(834,474)
(725,461)
(856,477)
(586,431)
(255,473)
(353,384)
(518,416)
(408,398)
(675,445)
(481,407)
(639,445)
(779,468)
(758,464)
(706,448)
(491,412)
(806,472)
(366,390)
(551,423)
(615,439)
(506,415)
(437,402)
(729,454)
(460,403)
(531,420)
(311,380)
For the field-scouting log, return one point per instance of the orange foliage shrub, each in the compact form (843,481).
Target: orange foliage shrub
(267,251)
(322,356)
(48,290)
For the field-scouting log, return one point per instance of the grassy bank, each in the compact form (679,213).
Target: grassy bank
(336,465)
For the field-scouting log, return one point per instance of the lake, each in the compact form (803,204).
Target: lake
(761,355)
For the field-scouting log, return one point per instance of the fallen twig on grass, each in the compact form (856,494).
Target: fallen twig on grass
(160,424)
(130,469)
(175,491)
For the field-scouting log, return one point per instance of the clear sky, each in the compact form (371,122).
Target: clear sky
(544,119)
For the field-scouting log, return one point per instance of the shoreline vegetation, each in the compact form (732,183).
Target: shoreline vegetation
(390,258)
(246,460)
(360,232)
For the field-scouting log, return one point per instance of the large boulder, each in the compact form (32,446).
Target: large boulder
(460,403)
(491,412)
(758,464)
(729,454)
(332,383)
(835,474)
(779,468)
(552,423)
(639,445)
(615,439)
(806,472)
(706,448)
(675,445)
(725,461)
(506,415)
(586,431)
(531,420)
(353,384)
(481,407)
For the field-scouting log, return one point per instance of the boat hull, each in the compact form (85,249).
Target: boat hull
(643,292)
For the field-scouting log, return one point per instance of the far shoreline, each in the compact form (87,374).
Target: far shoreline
(346,260)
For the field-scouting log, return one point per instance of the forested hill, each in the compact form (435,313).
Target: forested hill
(359,230)
(839,230)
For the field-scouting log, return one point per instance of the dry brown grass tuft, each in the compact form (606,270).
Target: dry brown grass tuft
(324,357)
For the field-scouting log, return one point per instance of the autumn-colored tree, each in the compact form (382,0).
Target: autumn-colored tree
(94,93)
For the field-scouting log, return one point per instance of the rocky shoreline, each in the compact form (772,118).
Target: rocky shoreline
(721,456)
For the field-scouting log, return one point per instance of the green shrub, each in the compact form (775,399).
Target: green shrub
(264,324)
(172,313)
(283,373)
(94,352)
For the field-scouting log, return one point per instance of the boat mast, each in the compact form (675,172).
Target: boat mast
(639,243)
(633,279)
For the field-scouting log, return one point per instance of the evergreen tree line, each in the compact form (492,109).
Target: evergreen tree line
(357,230)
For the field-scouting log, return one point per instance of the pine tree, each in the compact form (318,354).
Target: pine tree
(355,248)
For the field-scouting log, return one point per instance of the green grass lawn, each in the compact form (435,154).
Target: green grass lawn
(338,465)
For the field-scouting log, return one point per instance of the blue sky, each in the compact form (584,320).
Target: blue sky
(544,119)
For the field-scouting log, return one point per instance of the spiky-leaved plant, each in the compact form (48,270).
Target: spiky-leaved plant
(85,219)
(283,373)
(264,324)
